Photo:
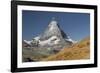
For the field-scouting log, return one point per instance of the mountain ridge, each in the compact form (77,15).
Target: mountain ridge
(53,35)
(48,43)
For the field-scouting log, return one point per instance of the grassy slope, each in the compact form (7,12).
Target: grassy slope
(80,50)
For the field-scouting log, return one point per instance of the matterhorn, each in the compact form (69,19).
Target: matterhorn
(53,37)
(51,41)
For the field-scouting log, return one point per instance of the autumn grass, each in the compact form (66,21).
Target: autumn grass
(80,50)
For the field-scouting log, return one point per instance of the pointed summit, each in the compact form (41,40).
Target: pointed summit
(53,25)
(53,21)
(53,29)
(53,36)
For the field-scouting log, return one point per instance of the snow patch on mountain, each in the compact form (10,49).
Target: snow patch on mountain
(28,42)
(70,40)
(51,41)
(37,38)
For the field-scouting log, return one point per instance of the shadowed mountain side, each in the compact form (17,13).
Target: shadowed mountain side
(80,50)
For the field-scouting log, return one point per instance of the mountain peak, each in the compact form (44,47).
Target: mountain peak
(53,25)
(53,28)
(50,42)
(53,21)
(53,35)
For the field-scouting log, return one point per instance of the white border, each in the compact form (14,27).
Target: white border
(53,63)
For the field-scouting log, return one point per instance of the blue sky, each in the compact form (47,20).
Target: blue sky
(76,25)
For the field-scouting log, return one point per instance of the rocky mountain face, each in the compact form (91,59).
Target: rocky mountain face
(53,35)
(52,40)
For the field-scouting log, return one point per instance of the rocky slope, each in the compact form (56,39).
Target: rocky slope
(48,43)
(80,50)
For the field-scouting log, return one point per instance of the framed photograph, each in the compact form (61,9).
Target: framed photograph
(51,36)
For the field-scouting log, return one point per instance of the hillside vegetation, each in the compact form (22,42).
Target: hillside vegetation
(79,50)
